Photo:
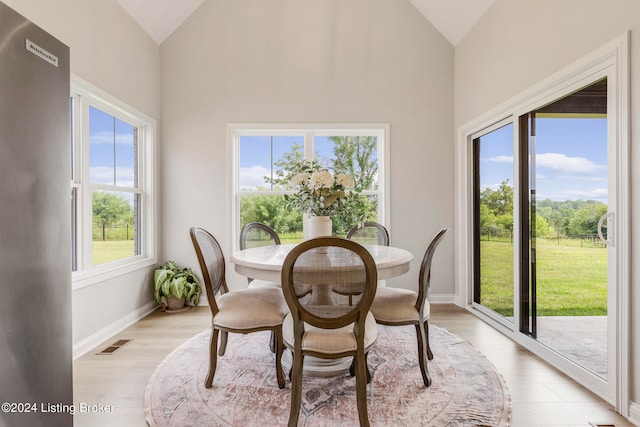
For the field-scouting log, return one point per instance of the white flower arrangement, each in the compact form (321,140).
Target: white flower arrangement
(318,192)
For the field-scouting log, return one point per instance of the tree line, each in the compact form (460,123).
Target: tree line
(566,218)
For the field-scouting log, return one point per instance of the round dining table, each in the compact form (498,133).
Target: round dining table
(265,263)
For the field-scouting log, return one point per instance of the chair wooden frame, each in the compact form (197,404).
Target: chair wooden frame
(257,226)
(260,226)
(383,233)
(216,284)
(422,324)
(357,316)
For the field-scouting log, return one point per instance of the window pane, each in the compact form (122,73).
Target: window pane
(355,155)
(494,213)
(272,210)
(264,158)
(74,193)
(74,229)
(101,147)
(115,229)
(125,149)
(267,162)
(72,163)
(360,206)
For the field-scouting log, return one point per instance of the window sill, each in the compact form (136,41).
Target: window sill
(83,279)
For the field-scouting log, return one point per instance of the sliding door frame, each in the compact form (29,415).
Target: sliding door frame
(611,61)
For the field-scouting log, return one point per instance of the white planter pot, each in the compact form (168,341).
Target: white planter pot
(319,226)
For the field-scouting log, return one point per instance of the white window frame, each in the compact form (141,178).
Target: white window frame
(84,95)
(309,131)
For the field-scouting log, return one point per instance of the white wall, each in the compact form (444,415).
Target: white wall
(518,43)
(308,61)
(109,50)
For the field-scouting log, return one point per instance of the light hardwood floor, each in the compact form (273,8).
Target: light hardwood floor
(541,396)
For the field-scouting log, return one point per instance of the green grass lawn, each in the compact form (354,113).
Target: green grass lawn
(571,280)
(111,250)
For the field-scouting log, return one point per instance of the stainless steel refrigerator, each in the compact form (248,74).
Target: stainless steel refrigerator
(35,212)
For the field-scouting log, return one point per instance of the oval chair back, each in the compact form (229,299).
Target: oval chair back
(369,232)
(212,264)
(320,277)
(255,234)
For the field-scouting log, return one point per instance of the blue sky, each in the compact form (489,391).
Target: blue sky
(111,147)
(255,155)
(571,158)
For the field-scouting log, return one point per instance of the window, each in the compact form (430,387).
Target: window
(493,223)
(263,159)
(111,183)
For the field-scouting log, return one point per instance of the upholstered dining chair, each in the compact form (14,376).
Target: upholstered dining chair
(369,232)
(372,233)
(255,234)
(321,323)
(398,307)
(243,311)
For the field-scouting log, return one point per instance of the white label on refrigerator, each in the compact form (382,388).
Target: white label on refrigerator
(42,53)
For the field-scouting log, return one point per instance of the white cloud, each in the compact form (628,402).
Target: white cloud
(107,138)
(556,161)
(253,177)
(564,163)
(595,194)
(104,175)
(583,178)
(499,159)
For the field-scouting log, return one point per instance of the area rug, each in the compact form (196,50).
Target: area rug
(466,389)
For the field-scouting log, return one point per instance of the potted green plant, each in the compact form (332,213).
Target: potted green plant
(175,287)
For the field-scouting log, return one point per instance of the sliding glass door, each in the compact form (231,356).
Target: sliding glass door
(543,220)
(541,209)
(493,219)
(565,205)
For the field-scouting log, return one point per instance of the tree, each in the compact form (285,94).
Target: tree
(496,210)
(353,155)
(553,218)
(585,220)
(487,221)
(542,227)
(498,201)
(109,208)
(270,210)
(286,167)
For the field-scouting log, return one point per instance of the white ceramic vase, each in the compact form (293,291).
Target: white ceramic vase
(319,226)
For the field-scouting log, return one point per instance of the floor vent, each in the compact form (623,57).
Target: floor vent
(113,347)
(602,425)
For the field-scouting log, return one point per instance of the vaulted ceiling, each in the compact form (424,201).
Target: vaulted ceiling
(453,18)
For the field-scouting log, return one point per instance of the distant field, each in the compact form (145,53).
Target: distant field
(571,280)
(111,250)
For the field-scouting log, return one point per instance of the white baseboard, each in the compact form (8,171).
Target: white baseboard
(634,413)
(108,331)
(442,299)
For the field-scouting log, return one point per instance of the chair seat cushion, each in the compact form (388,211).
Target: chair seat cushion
(251,308)
(330,341)
(396,305)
